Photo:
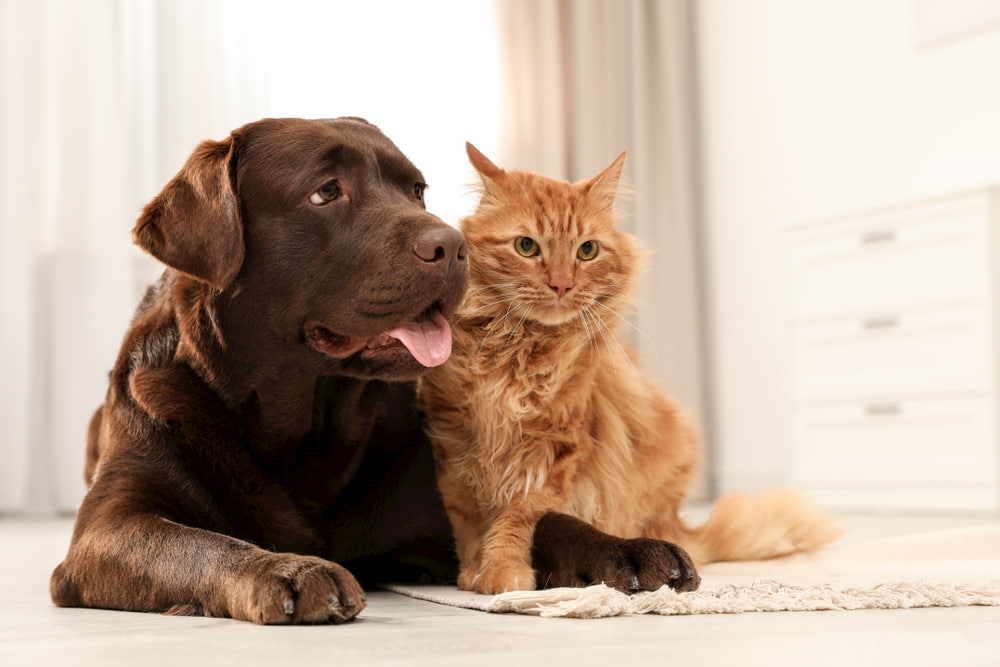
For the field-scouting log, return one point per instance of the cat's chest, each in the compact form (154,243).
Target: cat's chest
(529,378)
(528,366)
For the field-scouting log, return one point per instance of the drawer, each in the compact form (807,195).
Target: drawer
(893,352)
(888,443)
(918,254)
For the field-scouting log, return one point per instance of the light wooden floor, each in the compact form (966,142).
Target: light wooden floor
(395,630)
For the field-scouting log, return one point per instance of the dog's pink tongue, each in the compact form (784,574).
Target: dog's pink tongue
(427,338)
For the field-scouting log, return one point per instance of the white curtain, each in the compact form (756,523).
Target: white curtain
(101,102)
(586,79)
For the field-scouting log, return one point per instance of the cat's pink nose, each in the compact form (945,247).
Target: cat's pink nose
(561,286)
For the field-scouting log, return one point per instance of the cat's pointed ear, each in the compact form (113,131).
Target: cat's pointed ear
(487,170)
(604,187)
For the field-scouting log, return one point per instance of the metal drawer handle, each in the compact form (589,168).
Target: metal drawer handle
(878,236)
(883,409)
(880,322)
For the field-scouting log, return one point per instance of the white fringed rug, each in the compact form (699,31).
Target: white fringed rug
(942,569)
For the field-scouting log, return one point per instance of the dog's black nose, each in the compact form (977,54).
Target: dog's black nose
(440,245)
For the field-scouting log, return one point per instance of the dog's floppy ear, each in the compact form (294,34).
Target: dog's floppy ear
(195,225)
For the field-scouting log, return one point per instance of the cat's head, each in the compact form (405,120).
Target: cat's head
(546,250)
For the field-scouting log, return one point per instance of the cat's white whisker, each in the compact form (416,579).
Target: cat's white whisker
(520,323)
(585,315)
(494,303)
(506,316)
(492,288)
(494,327)
(621,347)
(656,348)
(601,327)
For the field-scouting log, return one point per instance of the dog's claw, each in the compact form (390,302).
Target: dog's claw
(289,607)
(633,583)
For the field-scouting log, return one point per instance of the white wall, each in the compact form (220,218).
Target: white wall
(811,108)
(427,74)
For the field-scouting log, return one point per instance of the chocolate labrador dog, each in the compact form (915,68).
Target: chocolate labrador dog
(259,448)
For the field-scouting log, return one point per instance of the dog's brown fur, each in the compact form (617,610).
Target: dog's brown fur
(249,421)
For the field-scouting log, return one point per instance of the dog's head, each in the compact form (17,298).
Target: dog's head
(318,229)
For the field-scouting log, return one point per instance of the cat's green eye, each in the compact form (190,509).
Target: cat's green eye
(588,250)
(526,247)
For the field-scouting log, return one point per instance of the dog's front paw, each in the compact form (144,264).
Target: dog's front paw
(639,564)
(655,563)
(570,552)
(286,588)
(503,577)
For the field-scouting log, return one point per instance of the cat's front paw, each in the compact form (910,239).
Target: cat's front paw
(503,577)
(467,579)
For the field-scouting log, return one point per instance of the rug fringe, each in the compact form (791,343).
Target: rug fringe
(762,595)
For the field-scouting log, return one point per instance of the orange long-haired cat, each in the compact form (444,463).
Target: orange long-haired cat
(542,408)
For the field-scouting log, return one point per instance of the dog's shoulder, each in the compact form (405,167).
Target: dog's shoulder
(151,387)
(153,335)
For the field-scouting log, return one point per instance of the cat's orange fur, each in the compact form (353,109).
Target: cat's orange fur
(541,407)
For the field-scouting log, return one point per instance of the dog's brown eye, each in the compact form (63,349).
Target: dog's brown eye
(588,250)
(327,193)
(418,190)
(526,247)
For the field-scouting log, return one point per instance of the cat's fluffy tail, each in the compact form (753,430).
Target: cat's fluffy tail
(772,524)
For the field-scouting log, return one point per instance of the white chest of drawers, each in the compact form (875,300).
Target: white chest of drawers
(895,355)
